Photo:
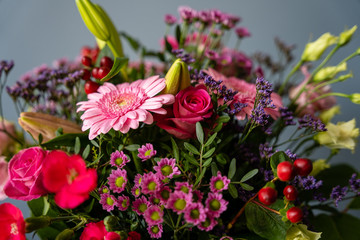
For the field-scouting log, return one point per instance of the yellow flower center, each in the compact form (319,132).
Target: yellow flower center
(119,182)
(166,170)
(180,204)
(219,184)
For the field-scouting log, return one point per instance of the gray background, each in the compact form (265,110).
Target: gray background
(40,31)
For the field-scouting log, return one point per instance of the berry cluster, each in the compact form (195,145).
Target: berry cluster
(286,171)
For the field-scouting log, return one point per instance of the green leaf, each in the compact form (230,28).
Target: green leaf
(337,227)
(109,148)
(200,176)
(300,231)
(214,169)
(77,145)
(209,153)
(249,175)
(277,158)
(210,140)
(232,168)
(168,46)
(191,159)
(93,142)
(207,162)
(132,147)
(221,158)
(86,152)
(355,203)
(223,119)
(175,150)
(115,69)
(39,206)
(233,191)
(178,33)
(199,133)
(265,223)
(191,148)
(246,187)
(66,140)
(218,127)
(133,43)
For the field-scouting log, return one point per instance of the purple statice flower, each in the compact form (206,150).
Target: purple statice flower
(184,187)
(197,75)
(291,155)
(163,194)
(170,19)
(155,231)
(108,201)
(179,201)
(265,150)
(268,175)
(287,116)
(244,195)
(236,108)
(307,121)
(6,66)
(216,204)
(242,32)
(319,197)
(209,222)
(123,202)
(150,183)
(195,213)
(219,183)
(211,83)
(117,180)
(354,184)
(246,154)
(226,94)
(187,14)
(338,193)
(146,152)
(166,168)
(140,205)
(185,57)
(118,159)
(153,215)
(259,116)
(308,182)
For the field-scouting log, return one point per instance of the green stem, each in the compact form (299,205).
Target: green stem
(325,60)
(283,85)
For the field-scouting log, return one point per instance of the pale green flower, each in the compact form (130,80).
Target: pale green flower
(327,115)
(346,35)
(318,166)
(314,50)
(327,73)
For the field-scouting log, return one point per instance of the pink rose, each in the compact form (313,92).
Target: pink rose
(192,105)
(4,176)
(5,140)
(97,231)
(25,175)
(12,224)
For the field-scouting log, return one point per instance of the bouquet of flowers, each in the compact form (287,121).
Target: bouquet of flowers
(184,143)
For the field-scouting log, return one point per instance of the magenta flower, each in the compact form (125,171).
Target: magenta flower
(226,238)
(163,194)
(108,201)
(155,231)
(242,32)
(117,180)
(195,213)
(123,106)
(178,201)
(136,191)
(184,187)
(209,222)
(146,152)
(170,19)
(197,196)
(140,205)
(123,202)
(166,168)
(219,183)
(154,200)
(153,215)
(98,231)
(118,159)
(138,179)
(150,183)
(187,14)
(104,189)
(215,204)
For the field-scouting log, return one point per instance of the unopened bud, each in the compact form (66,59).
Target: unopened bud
(67,234)
(35,223)
(177,78)
(314,50)
(328,73)
(355,98)
(346,35)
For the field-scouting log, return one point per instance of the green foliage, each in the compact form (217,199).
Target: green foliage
(277,158)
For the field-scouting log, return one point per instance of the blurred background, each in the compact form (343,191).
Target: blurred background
(40,31)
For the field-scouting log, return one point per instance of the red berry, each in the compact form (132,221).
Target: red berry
(103,71)
(85,51)
(267,195)
(86,61)
(294,214)
(290,193)
(285,171)
(106,62)
(95,73)
(91,87)
(86,74)
(303,166)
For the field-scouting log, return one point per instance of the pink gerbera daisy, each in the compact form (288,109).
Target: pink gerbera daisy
(146,152)
(117,180)
(123,106)
(155,231)
(215,204)
(166,168)
(140,205)
(118,159)
(123,202)
(195,213)
(108,201)
(153,215)
(219,183)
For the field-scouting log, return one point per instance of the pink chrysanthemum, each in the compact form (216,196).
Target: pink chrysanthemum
(140,205)
(154,200)
(118,159)
(226,238)
(138,179)
(117,180)
(153,215)
(104,189)
(219,183)
(178,201)
(197,196)
(209,222)
(195,213)
(150,183)
(108,201)
(123,202)
(155,231)
(166,168)
(163,194)
(123,106)
(146,152)
(136,191)
(184,187)
(215,204)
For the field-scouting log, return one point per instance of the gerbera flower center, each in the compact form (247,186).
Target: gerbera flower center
(155,216)
(142,207)
(214,205)
(166,170)
(219,184)
(151,186)
(155,229)
(180,204)
(119,161)
(195,213)
(109,201)
(119,182)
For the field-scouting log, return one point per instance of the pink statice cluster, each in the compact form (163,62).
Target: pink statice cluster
(155,191)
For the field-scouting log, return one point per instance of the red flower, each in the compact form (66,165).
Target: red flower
(134,236)
(68,178)
(97,231)
(12,224)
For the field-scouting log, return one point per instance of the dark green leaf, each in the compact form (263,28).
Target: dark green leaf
(191,159)
(233,191)
(40,138)
(265,223)
(355,203)
(175,150)
(133,43)
(77,145)
(214,169)
(249,175)
(66,140)
(210,140)
(109,148)
(199,133)
(221,158)
(246,187)
(168,46)
(223,119)
(232,168)
(115,69)
(200,176)
(86,152)
(93,142)
(207,162)
(178,33)
(132,147)
(39,206)
(191,148)
(209,153)
(218,127)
